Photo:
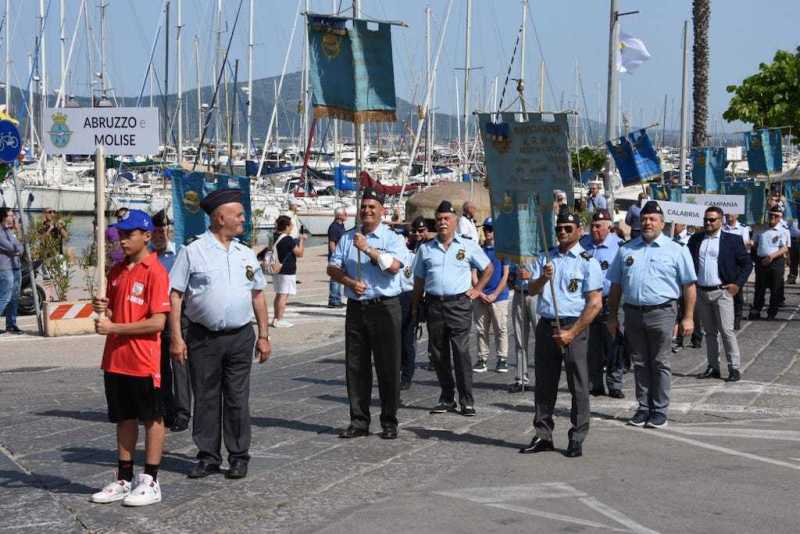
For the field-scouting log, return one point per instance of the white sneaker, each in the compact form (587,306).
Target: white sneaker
(112,492)
(282,323)
(147,491)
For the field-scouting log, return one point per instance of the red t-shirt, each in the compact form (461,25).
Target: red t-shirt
(134,295)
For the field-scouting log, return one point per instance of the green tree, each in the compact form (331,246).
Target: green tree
(771,97)
(701,13)
(587,158)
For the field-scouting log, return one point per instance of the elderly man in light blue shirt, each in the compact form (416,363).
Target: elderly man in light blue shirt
(569,283)
(650,273)
(443,271)
(368,262)
(218,282)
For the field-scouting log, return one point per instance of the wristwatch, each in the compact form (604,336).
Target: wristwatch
(264,337)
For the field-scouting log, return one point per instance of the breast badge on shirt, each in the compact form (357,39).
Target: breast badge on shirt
(250,273)
(629,261)
(137,290)
(407,271)
(775,239)
(604,265)
(461,254)
(573,285)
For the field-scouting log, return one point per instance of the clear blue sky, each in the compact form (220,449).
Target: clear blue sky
(743,33)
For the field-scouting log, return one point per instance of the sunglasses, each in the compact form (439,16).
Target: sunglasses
(710,219)
(774,215)
(566,228)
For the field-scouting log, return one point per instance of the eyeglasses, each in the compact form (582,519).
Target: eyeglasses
(774,215)
(709,219)
(566,228)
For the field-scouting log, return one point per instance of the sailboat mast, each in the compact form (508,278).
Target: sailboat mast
(522,56)
(467,70)
(611,94)
(31,103)
(684,102)
(196,46)
(428,170)
(62,44)
(102,7)
(215,75)
(179,81)
(250,48)
(42,63)
(358,129)
(335,121)
(166,76)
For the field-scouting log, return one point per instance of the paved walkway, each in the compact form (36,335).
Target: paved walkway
(729,461)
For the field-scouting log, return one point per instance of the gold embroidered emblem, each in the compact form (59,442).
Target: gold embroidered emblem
(629,261)
(461,254)
(573,285)
(250,273)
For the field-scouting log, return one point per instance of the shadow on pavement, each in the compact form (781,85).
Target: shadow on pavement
(268,422)
(448,435)
(173,462)
(100,417)
(10,480)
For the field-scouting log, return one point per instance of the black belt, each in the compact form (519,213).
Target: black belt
(445,298)
(711,288)
(227,332)
(562,320)
(649,307)
(376,300)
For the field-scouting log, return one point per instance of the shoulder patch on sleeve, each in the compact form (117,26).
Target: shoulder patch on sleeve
(585,255)
(191,239)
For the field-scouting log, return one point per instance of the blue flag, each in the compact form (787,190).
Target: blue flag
(791,190)
(188,189)
(525,161)
(635,158)
(351,70)
(708,168)
(755,199)
(764,155)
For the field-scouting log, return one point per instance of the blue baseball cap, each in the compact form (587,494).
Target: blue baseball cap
(136,220)
(488,223)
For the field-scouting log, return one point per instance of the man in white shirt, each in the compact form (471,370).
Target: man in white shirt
(733,226)
(466,223)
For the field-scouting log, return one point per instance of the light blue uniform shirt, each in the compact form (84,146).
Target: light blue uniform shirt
(448,272)
(604,253)
(379,283)
(217,283)
(652,274)
(596,203)
(576,273)
(771,240)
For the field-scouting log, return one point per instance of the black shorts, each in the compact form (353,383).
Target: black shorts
(132,397)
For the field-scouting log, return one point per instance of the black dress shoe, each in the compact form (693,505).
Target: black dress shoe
(709,373)
(202,469)
(598,392)
(537,445)
(754,316)
(734,375)
(14,330)
(574,450)
(616,394)
(468,411)
(405,385)
(388,433)
(237,469)
(353,432)
(516,387)
(697,344)
(444,407)
(179,426)
(771,316)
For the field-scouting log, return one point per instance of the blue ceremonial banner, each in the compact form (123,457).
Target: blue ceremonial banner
(755,199)
(791,191)
(189,188)
(525,161)
(667,192)
(635,158)
(708,167)
(351,69)
(764,154)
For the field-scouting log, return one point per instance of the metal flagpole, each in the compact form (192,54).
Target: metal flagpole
(684,103)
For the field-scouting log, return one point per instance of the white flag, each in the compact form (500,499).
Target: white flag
(632,53)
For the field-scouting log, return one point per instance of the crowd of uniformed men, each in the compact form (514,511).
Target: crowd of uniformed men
(594,303)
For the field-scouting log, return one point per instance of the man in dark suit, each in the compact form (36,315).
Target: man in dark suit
(723,265)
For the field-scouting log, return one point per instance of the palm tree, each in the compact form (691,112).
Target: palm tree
(701,12)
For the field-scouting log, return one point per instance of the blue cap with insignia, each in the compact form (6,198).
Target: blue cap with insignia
(135,220)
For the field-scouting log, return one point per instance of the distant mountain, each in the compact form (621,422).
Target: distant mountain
(289,118)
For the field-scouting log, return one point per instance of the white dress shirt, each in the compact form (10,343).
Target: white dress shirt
(738,229)
(467,228)
(707,266)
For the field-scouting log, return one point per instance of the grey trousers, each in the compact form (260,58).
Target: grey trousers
(220,364)
(648,335)
(548,374)
(715,309)
(523,322)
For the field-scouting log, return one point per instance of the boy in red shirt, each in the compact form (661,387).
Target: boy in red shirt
(133,316)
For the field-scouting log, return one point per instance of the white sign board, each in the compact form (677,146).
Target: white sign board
(728,203)
(733,153)
(120,131)
(681,212)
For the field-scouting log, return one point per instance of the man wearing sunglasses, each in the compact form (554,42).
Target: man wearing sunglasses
(723,266)
(650,273)
(771,247)
(563,334)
